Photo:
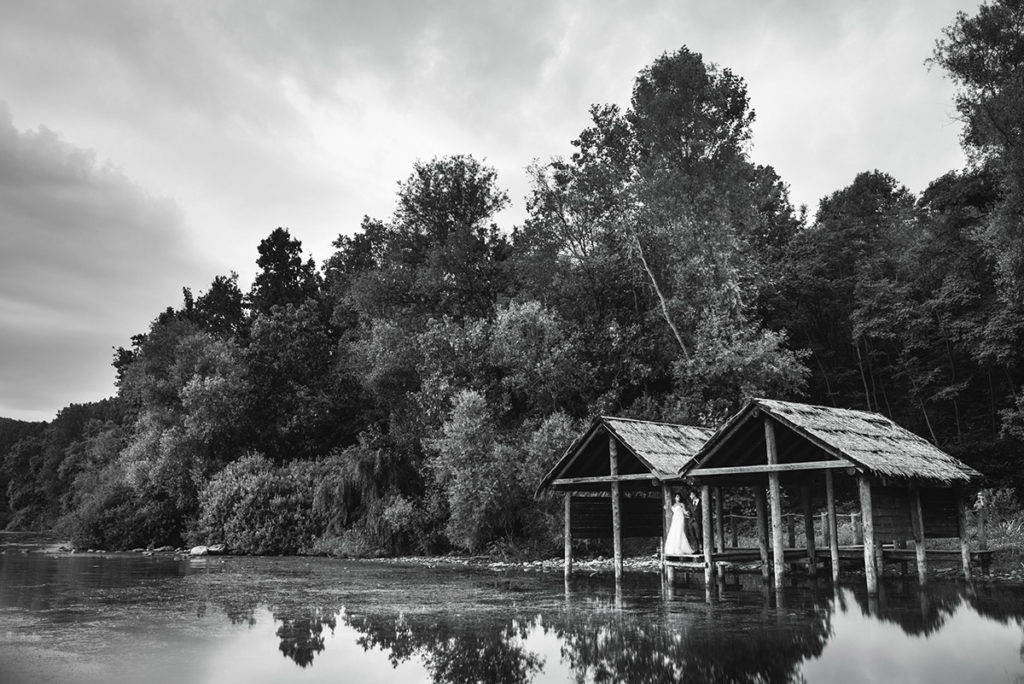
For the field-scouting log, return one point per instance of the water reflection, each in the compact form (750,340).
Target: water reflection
(302,637)
(331,620)
(742,639)
(448,651)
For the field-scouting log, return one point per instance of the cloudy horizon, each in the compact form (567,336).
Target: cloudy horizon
(150,146)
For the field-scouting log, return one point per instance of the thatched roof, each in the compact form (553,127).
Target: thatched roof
(660,449)
(666,448)
(869,441)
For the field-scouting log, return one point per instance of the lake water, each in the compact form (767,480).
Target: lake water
(129,618)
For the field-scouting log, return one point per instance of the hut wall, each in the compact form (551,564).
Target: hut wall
(938,508)
(891,512)
(592,517)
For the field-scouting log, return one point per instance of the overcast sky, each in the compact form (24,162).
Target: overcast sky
(150,145)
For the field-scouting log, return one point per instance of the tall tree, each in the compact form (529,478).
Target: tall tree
(845,249)
(220,310)
(667,190)
(440,254)
(984,55)
(284,278)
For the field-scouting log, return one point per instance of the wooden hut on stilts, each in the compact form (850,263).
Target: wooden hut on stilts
(616,480)
(905,487)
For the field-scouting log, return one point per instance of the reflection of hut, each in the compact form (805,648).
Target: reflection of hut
(916,612)
(907,488)
(684,644)
(608,475)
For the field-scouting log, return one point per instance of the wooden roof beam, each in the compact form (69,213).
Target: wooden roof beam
(601,479)
(770,468)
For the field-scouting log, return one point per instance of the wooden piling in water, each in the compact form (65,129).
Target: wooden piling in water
(867,515)
(761,513)
(568,535)
(666,524)
(917,524)
(961,523)
(812,560)
(719,522)
(708,541)
(613,467)
(775,501)
(833,524)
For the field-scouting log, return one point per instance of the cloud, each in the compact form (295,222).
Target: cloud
(87,258)
(255,114)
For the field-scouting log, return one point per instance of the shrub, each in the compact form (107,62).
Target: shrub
(1004,518)
(115,517)
(255,507)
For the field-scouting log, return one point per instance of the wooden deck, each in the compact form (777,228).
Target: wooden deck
(851,554)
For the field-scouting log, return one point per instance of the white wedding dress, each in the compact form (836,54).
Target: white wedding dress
(676,543)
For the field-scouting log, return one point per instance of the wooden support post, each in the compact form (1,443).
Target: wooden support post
(666,524)
(833,524)
(812,559)
(961,523)
(732,531)
(867,515)
(613,466)
(761,511)
(823,524)
(568,535)
(775,501)
(982,529)
(917,523)
(719,522)
(705,514)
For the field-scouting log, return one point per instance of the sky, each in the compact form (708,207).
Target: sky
(149,145)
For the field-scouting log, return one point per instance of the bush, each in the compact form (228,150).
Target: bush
(1004,519)
(255,507)
(115,517)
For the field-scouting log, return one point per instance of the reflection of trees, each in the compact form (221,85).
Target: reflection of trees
(302,636)
(998,602)
(300,625)
(737,640)
(649,641)
(452,650)
(906,606)
(706,647)
(922,613)
(469,629)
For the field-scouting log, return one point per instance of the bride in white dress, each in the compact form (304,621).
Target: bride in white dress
(676,542)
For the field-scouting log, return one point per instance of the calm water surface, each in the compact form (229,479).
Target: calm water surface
(128,618)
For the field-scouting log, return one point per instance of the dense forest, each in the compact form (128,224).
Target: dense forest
(408,393)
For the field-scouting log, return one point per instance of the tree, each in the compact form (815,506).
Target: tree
(845,252)
(298,403)
(219,310)
(473,472)
(284,278)
(663,201)
(439,255)
(984,55)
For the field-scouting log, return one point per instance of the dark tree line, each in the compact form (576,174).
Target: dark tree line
(409,392)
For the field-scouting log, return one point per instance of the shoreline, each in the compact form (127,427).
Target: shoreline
(1003,571)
